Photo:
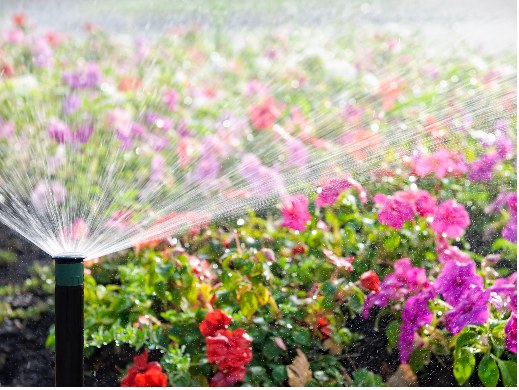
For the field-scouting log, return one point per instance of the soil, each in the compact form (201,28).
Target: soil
(24,359)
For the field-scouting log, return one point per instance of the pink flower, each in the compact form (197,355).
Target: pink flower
(59,131)
(425,204)
(453,253)
(394,212)
(295,213)
(170,98)
(510,231)
(6,129)
(332,188)
(442,163)
(264,115)
(78,230)
(450,218)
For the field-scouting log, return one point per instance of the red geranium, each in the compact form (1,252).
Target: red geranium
(214,322)
(370,281)
(322,326)
(229,349)
(228,377)
(264,115)
(144,374)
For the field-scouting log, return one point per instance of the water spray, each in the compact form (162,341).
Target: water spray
(69,328)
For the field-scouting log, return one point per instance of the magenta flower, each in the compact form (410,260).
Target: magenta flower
(505,146)
(170,98)
(83,134)
(295,213)
(450,218)
(481,168)
(297,153)
(394,212)
(88,76)
(511,325)
(425,204)
(453,253)
(498,202)
(59,131)
(456,279)
(443,162)
(397,286)
(416,314)
(510,231)
(505,287)
(472,309)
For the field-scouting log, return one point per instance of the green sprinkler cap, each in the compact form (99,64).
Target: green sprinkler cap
(69,269)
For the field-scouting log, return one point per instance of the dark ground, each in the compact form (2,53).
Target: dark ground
(24,359)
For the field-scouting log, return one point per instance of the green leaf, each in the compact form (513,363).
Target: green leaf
(392,332)
(320,376)
(487,371)
(508,372)
(392,241)
(257,371)
(467,339)
(279,374)
(301,336)
(418,359)
(464,366)
(271,350)
(329,288)
(248,304)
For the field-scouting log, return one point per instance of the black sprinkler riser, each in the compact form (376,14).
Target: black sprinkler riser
(69,324)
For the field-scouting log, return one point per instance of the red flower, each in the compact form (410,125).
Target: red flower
(370,281)
(299,249)
(263,116)
(322,326)
(144,374)
(19,18)
(229,349)
(214,322)
(228,377)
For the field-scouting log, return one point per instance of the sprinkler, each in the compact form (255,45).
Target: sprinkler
(69,324)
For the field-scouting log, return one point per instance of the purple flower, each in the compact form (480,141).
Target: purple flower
(297,153)
(481,168)
(504,147)
(207,170)
(456,279)
(505,287)
(59,131)
(83,134)
(154,141)
(71,104)
(181,129)
(510,231)
(511,333)
(88,76)
(267,182)
(416,314)
(406,280)
(498,203)
(394,212)
(450,218)
(472,309)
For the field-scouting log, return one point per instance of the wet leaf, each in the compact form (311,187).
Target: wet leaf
(248,304)
(262,293)
(508,372)
(403,377)
(299,371)
(488,371)
(464,366)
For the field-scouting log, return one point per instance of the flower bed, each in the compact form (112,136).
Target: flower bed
(400,268)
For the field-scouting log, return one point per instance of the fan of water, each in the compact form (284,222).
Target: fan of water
(108,143)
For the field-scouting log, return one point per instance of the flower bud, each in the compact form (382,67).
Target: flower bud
(370,281)
(299,249)
(492,259)
(268,254)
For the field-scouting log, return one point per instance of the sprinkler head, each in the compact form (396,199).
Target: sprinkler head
(69,257)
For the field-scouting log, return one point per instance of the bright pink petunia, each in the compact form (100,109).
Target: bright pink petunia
(332,188)
(469,310)
(394,211)
(295,213)
(450,218)
(456,280)
(263,116)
